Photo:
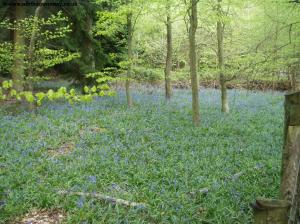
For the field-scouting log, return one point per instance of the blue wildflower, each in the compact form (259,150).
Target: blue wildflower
(80,202)
(92,179)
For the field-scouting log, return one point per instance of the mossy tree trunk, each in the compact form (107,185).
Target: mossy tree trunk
(289,188)
(169,63)
(18,42)
(130,58)
(296,78)
(221,64)
(87,49)
(294,71)
(285,210)
(193,19)
(268,211)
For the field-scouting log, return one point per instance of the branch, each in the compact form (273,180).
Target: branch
(136,18)
(231,78)
(290,37)
(294,1)
(272,34)
(105,198)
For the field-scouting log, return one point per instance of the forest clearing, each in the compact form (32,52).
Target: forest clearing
(139,111)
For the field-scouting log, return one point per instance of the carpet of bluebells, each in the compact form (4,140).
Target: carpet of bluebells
(150,153)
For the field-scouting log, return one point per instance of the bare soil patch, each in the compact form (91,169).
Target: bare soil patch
(42,217)
(64,149)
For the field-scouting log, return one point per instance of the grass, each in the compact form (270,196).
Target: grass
(150,153)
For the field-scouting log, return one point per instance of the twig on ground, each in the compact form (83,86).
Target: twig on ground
(106,198)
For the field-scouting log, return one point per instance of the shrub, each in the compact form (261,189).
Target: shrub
(143,74)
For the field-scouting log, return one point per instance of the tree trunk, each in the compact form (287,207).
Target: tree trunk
(32,43)
(268,211)
(91,53)
(285,210)
(18,41)
(130,57)
(193,61)
(87,47)
(168,68)
(221,64)
(296,78)
(289,188)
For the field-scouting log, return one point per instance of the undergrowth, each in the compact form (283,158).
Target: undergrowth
(149,153)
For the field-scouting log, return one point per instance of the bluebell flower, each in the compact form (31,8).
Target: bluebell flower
(80,202)
(114,186)
(140,207)
(117,158)
(92,179)
(2,204)
(259,166)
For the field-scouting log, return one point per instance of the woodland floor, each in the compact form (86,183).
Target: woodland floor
(150,154)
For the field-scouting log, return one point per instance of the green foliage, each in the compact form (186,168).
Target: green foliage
(260,38)
(49,58)
(181,76)
(53,28)
(103,79)
(5,56)
(109,23)
(148,75)
(7,92)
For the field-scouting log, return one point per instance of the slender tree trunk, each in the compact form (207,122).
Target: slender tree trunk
(294,71)
(296,78)
(193,61)
(293,77)
(18,41)
(87,50)
(130,57)
(223,84)
(91,53)
(169,63)
(33,41)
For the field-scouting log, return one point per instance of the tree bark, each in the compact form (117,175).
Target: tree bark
(33,41)
(130,57)
(193,61)
(169,63)
(221,64)
(289,188)
(285,210)
(296,78)
(91,53)
(87,47)
(268,211)
(18,42)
